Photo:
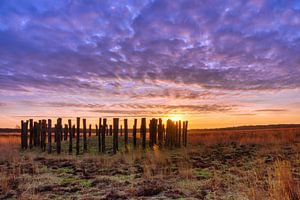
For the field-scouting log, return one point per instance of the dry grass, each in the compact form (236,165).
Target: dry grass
(260,136)
(239,176)
(281,183)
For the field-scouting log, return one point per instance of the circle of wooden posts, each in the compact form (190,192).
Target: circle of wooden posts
(173,134)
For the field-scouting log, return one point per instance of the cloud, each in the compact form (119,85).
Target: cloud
(189,57)
(272,110)
(225,45)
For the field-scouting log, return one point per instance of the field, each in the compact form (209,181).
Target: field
(216,164)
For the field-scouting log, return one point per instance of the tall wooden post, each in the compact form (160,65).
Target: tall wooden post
(126,133)
(66,130)
(151,133)
(110,130)
(39,125)
(115,134)
(49,136)
(22,134)
(26,134)
(179,133)
(44,130)
(143,132)
(31,134)
(71,133)
(35,133)
(90,130)
(186,134)
(134,132)
(96,130)
(183,133)
(59,135)
(103,135)
(160,133)
(78,136)
(84,135)
(100,135)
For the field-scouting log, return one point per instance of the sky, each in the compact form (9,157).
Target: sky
(216,63)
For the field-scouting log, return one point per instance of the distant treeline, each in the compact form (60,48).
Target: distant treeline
(9,130)
(251,127)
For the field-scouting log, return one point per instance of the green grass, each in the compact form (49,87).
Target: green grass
(203,173)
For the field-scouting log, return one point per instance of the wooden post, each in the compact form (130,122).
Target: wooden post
(143,132)
(26,134)
(110,130)
(31,133)
(78,136)
(121,130)
(179,133)
(115,135)
(35,133)
(59,135)
(100,135)
(49,136)
(160,133)
(176,134)
(22,134)
(96,130)
(71,132)
(84,135)
(183,133)
(90,130)
(134,132)
(39,130)
(66,130)
(151,133)
(186,134)
(126,133)
(44,131)
(103,135)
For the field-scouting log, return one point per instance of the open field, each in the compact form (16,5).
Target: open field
(217,164)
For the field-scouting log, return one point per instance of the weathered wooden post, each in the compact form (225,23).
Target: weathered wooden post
(134,132)
(126,133)
(151,133)
(59,135)
(31,134)
(115,135)
(143,132)
(71,132)
(39,131)
(26,134)
(90,130)
(176,134)
(22,134)
(100,135)
(96,130)
(103,135)
(84,135)
(160,133)
(183,133)
(110,130)
(179,133)
(78,136)
(66,132)
(44,131)
(35,133)
(186,134)
(49,136)
(167,133)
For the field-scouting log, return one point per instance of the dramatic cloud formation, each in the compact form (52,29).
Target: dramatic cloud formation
(185,56)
